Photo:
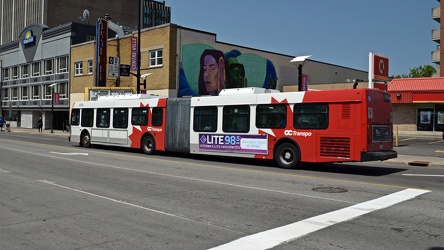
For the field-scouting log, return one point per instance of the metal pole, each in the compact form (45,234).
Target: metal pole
(1,88)
(138,47)
(300,77)
(52,108)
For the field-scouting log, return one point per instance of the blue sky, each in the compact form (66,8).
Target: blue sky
(340,32)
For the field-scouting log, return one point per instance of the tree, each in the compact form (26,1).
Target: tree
(420,71)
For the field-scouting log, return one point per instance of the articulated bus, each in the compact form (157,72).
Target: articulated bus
(327,126)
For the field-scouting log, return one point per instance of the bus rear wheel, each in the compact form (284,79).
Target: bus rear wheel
(85,140)
(148,145)
(287,156)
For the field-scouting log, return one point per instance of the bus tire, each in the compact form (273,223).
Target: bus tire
(287,156)
(148,145)
(85,140)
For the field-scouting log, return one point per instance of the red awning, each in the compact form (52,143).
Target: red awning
(417,90)
(425,84)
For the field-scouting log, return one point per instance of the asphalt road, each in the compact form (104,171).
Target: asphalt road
(56,195)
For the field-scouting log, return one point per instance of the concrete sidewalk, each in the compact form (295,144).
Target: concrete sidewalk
(413,160)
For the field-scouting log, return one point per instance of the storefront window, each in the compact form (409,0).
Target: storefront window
(430,117)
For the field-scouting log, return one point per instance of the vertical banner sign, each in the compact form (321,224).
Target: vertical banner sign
(56,98)
(134,56)
(101,60)
(304,82)
(378,69)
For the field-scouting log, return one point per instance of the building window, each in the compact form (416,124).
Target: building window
(62,64)
(63,90)
(24,93)
(15,72)
(156,58)
(25,71)
(49,67)
(78,68)
(6,74)
(36,69)
(14,93)
(90,38)
(35,92)
(47,92)
(5,94)
(90,67)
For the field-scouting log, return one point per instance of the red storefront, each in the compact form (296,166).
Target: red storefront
(418,102)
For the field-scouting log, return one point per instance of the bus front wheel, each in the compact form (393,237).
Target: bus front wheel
(85,140)
(148,145)
(287,156)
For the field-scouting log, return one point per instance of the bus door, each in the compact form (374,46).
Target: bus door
(100,132)
(119,132)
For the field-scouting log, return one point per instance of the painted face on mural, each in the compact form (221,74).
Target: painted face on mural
(211,73)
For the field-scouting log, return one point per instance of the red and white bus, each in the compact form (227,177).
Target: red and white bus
(350,125)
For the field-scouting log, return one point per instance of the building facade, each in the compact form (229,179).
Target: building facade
(172,57)
(436,37)
(33,68)
(418,103)
(17,14)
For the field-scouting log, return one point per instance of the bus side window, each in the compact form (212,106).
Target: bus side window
(312,115)
(120,118)
(75,117)
(157,116)
(205,119)
(139,116)
(87,117)
(236,118)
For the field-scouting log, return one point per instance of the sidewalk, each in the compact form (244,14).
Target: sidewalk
(413,160)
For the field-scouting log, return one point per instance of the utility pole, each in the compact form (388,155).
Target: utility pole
(138,47)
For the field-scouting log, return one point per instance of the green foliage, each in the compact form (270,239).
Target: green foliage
(420,71)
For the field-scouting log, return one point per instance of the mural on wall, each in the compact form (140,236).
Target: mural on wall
(206,71)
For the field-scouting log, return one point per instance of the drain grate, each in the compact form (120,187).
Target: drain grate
(330,189)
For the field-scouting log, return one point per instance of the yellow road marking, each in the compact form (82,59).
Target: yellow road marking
(408,139)
(433,142)
(439,151)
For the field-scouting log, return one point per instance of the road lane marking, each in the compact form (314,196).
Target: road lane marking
(5,171)
(425,175)
(135,205)
(407,139)
(59,153)
(208,166)
(439,151)
(433,142)
(277,236)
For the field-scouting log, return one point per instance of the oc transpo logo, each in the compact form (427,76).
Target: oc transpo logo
(290,132)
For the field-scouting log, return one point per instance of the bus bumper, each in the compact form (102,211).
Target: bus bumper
(379,156)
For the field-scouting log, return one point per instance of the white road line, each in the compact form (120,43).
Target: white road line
(136,206)
(184,177)
(277,236)
(5,171)
(59,153)
(425,175)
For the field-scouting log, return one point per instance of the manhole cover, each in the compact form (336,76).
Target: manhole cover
(330,189)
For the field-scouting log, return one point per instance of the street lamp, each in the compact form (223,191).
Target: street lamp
(299,61)
(52,105)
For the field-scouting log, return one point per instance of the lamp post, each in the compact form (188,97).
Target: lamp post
(52,106)
(138,47)
(299,61)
